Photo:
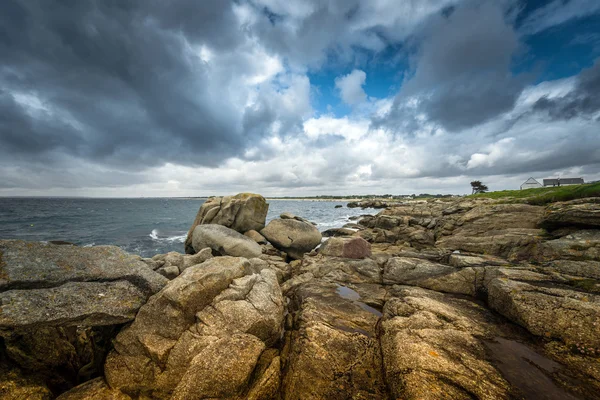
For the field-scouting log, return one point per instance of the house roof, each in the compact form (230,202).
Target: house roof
(564,181)
(531,180)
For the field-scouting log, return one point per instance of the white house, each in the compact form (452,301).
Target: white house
(563,181)
(530,184)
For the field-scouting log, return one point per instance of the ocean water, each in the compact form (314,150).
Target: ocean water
(146,226)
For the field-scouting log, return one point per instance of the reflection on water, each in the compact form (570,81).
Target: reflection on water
(347,293)
(527,370)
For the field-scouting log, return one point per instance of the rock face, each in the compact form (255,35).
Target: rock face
(346,247)
(68,285)
(224,241)
(506,230)
(581,212)
(444,299)
(203,335)
(242,212)
(292,236)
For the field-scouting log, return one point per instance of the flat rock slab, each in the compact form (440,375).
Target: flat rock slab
(42,283)
(81,303)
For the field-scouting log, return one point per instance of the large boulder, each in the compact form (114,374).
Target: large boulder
(45,284)
(242,212)
(292,236)
(355,247)
(203,335)
(224,241)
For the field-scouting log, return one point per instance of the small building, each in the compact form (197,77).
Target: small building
(530,184)
(563,182)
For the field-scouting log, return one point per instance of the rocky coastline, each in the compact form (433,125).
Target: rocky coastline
(465,298)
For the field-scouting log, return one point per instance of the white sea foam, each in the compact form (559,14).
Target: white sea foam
(168,239)
(178,238)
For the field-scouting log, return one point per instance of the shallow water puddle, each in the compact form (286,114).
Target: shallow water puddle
(347,293)
(527,370)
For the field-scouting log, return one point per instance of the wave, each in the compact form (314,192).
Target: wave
(169,239)
(178,238)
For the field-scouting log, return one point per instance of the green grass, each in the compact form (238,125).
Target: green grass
(541,196)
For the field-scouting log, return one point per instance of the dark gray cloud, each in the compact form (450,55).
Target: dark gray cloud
(582,101)
(463,75)
(115,82)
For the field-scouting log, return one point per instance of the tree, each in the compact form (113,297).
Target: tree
(478,187)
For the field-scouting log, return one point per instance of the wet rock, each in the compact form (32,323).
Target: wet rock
(292,236)
(257,237)
(224,241)
(68,285)
(338,206)
(223,312)
(242,212)
(580,212)
(346,248)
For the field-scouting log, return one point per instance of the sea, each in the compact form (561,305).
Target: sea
(143,226)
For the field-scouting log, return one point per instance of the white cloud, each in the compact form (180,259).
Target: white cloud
(328,125)
(558,12)
(350,87)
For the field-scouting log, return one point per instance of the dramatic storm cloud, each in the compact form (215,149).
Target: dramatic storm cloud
(130,98)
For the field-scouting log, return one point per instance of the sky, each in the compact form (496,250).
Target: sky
(295,97)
